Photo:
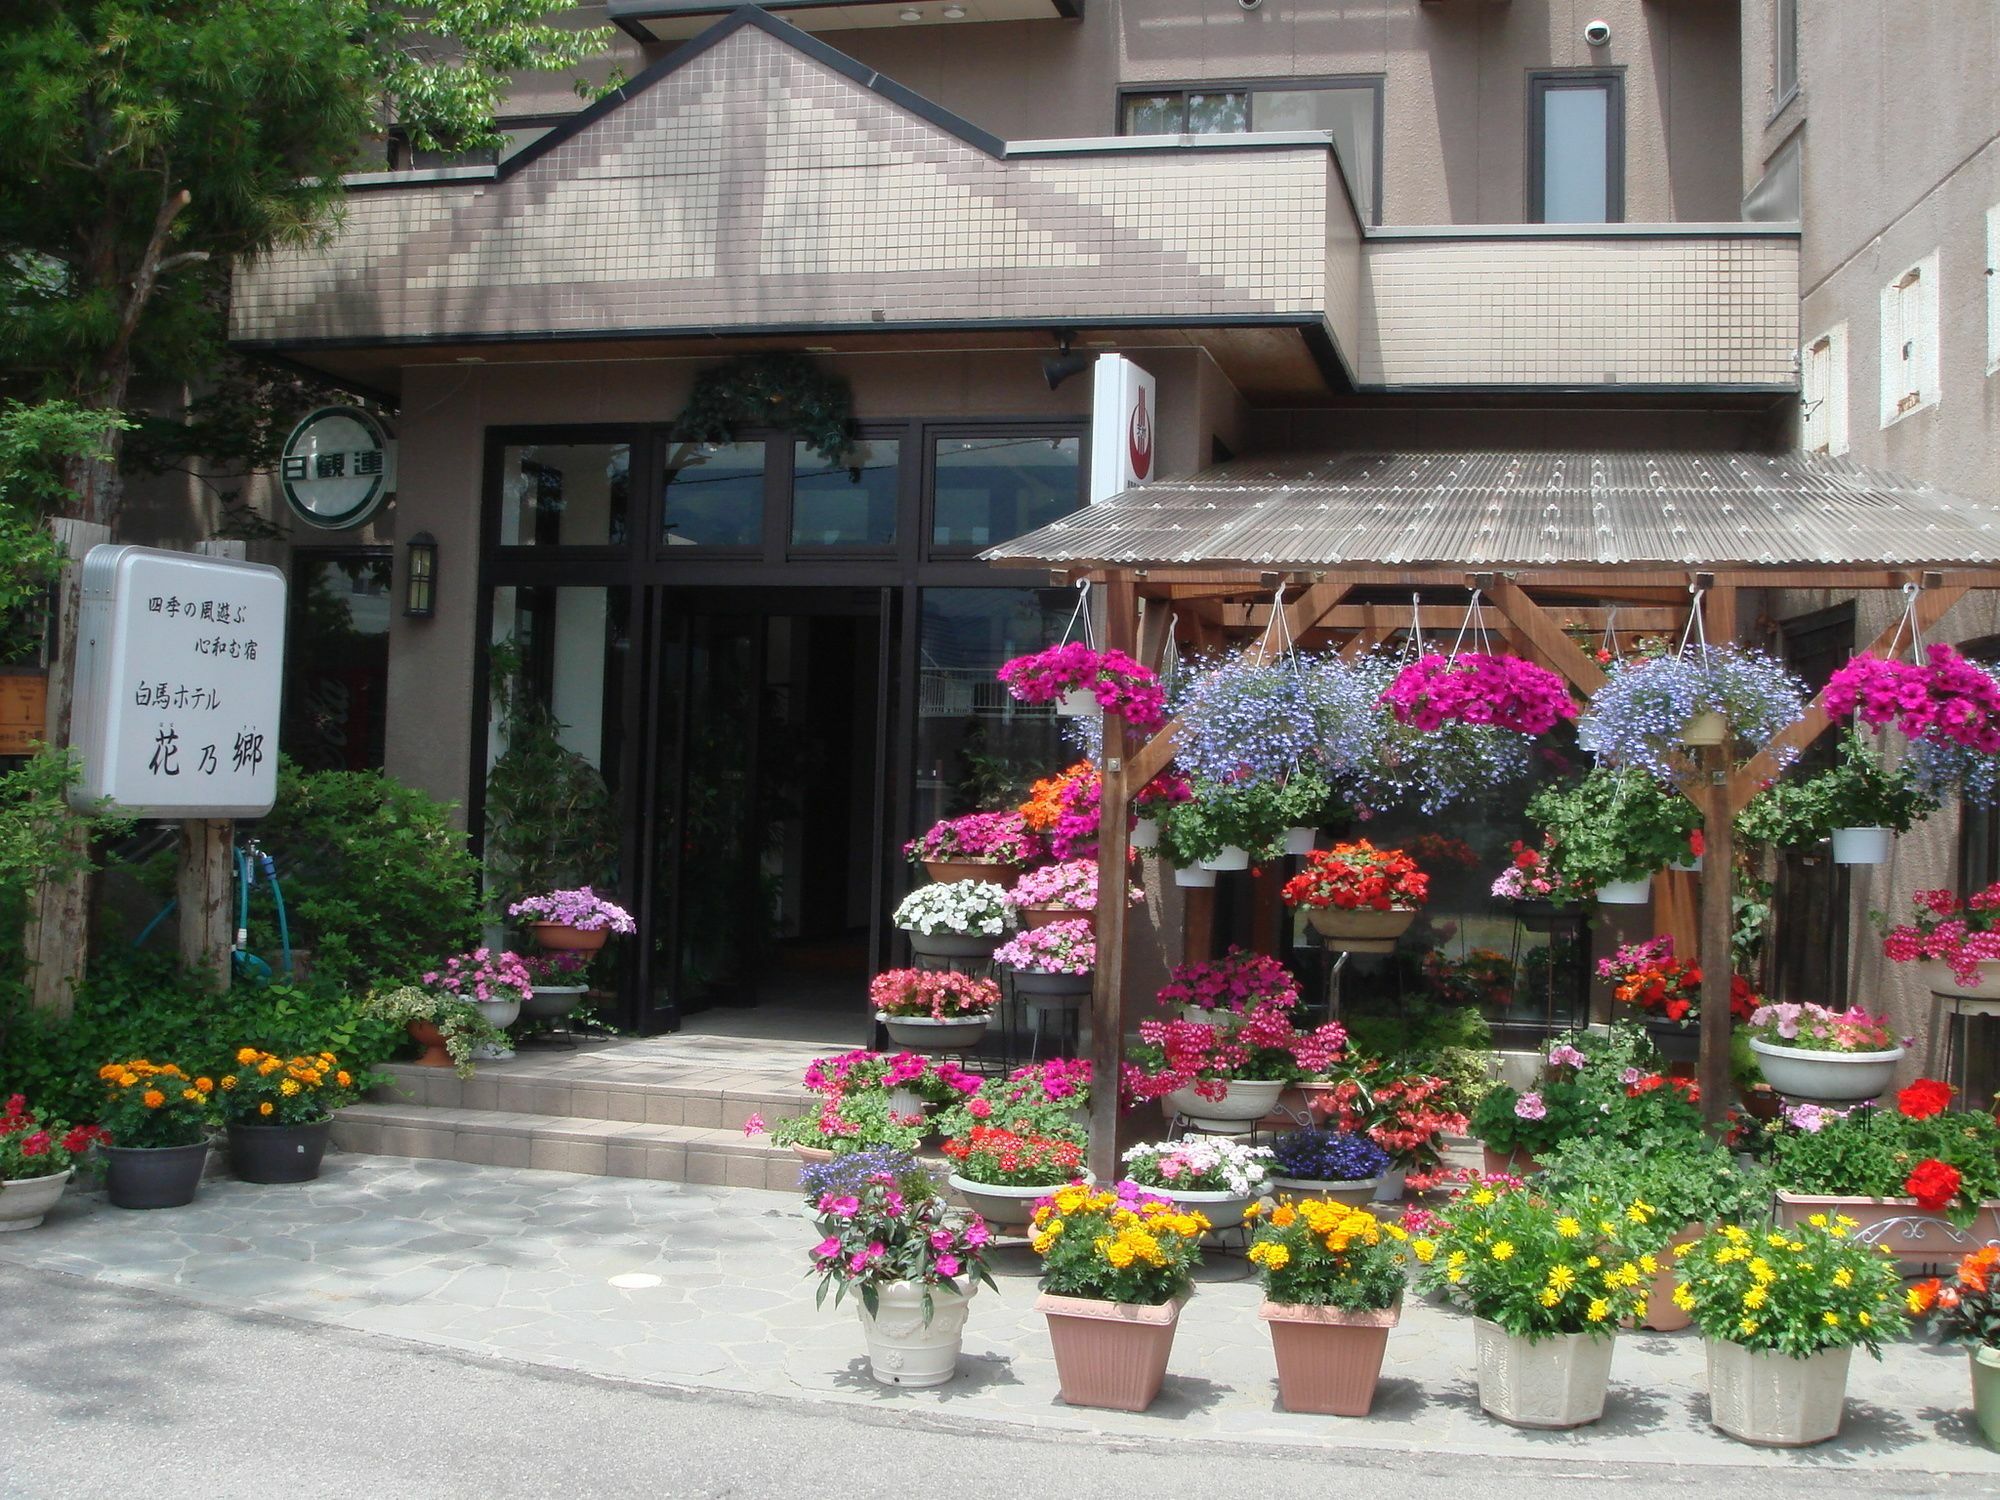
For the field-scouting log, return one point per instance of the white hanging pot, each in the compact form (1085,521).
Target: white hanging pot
(1229,857)
(1690,866)
(1146,833)
(1831,1077)
(1861,846)
(1626,892)
(1078,703)
(1199,877)
(1706,728)
(1300,840)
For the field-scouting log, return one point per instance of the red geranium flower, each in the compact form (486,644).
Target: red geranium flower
(1933,1184)
(1924,1098)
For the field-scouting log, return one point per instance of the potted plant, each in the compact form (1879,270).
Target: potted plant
(845,1123)
(1955,943)
(1004,1171)
(447,1029)
(913,1261)
(1613,829)
(37,1160)
(1944,699)
(1548,1284)
(1051,964)
(1168,789)
(1858,803)
(1115,1264)
(577,920)
(1062,892)
(1223,989)
(557,983)
(1780,1314)
(1217,1178)
(1050,1098)
(157,1119)
(979,846)
(1542,894)
(1062,811)
(279,1110)
(1407,1114)
(966,919)
(1119,684)
(1666,991)
(1224,828)
(1516,1128)
(1503,692)
(1333,1288)
(933,1010)
(1966,1309)
(496,985)
(1224,1078)
(1922,1179)
(911,1083)
(1359,898)
(1333,1166)
(1243,722)
(1650,708)
(1813,1052)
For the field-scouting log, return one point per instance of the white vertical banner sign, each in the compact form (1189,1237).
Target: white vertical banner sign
(1123,426)
(180,664)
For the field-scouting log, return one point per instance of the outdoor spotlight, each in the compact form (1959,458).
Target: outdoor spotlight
(420,587)
(1059,366)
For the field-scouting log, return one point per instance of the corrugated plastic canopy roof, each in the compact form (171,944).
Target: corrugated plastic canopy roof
(1535,509)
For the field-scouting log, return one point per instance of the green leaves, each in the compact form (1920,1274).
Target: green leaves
(1615,825)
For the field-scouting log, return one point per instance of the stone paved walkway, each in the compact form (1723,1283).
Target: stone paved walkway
(537,1266)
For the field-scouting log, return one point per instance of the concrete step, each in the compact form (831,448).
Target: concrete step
(702,1099)
(566,1143)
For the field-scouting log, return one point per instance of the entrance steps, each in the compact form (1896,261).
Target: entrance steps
(652,1109)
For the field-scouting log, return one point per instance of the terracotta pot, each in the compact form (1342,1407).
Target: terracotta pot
(560,937)
(1328,1359)
(1515,1163)
(811,1153)
(1048,916)
(1761,1103)
(1360,931)
(1917,1238)
(1661,1314)
(427,1036)
(951,871)
(1109,1354)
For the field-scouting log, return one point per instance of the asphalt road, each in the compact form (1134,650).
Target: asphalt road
(110,1392)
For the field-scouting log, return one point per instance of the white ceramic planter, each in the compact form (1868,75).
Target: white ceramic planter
(907,1102)
(904,1349)
(1000,1205)
(1389,1186)
(1774,1400)
(1559,1381)
(499,1014)
(1861,846)
(1980,997)
(1687,866)
(1078,703)
(1223,1210)
(24,1201)
(1198,878)
(1835,1077)
(1146,833)
(1301,840)
(1355,1194)
(923,1034)
(1626,892)
(1243,1104)
(1229,858)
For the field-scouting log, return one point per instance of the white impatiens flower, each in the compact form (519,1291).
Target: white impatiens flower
(964,908)
(1200,1164)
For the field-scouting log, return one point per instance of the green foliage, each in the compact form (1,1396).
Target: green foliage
(1858,791)
(1535,1266)
(1252,817)
(1447,1041)
(775,389)
(377,881)
(1615,825)
(35,819)
(1870,1153)
(1685,1179)
(1594,1100)
(458,1021)
(1792,1292)
(36,442)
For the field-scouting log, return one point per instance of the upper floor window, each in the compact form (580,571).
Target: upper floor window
(1784,52)
(1823,393)
(1910,340)
(1351,108)
(1576,170)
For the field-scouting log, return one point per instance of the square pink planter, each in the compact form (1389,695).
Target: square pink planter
(1110,1354)
(1329,1359)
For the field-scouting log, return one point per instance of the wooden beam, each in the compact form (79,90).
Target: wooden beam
(1450,617)
(1107,989)
(1563,654)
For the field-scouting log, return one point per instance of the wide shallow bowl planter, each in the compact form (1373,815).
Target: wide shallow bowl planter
(1360,931)
(1625,892)
(1706,728)
(1774,1400)
(1357,1194)
(1985,1363)
(1301,841)
(952,944)
(1838,1077)
(1515,1163)
(551,1002)
(278,1153)
(1050,986)
(25,1200)
(1328,1359)
(1194,878)
(1228,857)
(154,1176)
(1109,1354)
(951,871)
(903,1349)
(1222,1208)
(1559,1381)
(427,1036)
(1861,846)
(1662,1314)
(560,937)
(1980,997)
(922,1034)
(1243,1103)
(1001,1205)
(1916,1237)
(1145,833)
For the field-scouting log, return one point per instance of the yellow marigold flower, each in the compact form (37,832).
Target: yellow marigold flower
(1395,1231)
(1424,1250)
(264,1108)
(1568,1228)
(1503,1249)
(1593,1261)
(193,1096)
(1775,1241)
(1277,1257)
(1649,1264)
(228,1082)
(247,1054)
(1598,1310)
(1042,1243)
(108,1072)
(1119,1254)
(289,1087)
(1250,1214)
(206,1085)
(1284,1216)
(269,1066)
(153,1098)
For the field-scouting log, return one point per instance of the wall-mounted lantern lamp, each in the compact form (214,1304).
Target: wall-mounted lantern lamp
(420,588)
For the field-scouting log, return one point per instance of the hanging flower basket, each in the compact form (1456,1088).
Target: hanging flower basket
(1705,729)
(1118,684)
(1503,692)
(1651,708)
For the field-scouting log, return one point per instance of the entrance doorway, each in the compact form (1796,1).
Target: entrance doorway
(768,805)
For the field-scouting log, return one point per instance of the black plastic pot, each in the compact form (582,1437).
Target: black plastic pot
(154,1176)
(278,1153)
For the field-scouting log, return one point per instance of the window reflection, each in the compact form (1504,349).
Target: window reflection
(850,503)
(565,494)
(990,489)
(714,495)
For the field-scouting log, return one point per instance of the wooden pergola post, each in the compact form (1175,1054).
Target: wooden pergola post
(1107,986)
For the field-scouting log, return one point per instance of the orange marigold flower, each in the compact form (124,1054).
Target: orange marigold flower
(154,1098)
